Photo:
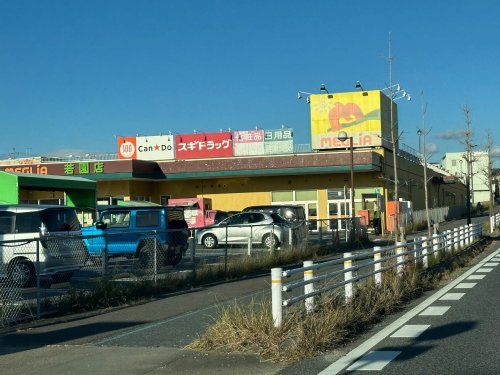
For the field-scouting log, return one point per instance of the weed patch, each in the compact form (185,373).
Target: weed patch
(250,329)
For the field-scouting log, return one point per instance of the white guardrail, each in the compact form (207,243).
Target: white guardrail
(494,222)
(417,251)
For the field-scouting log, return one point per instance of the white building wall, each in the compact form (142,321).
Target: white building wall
(455,163)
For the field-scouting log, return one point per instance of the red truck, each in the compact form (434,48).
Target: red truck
(198,211)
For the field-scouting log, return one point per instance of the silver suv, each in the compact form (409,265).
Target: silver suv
(45,236)
(269,229)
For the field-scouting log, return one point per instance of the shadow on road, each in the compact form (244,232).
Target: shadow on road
(31,339)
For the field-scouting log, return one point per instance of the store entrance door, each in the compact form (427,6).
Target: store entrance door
(338,211)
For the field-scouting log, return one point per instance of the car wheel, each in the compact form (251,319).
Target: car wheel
(270,240)
(22,273)
(209,241)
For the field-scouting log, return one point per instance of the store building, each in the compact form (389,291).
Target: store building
(239,169)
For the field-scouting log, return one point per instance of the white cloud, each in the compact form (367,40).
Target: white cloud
(431,148)
(451,134)
(495,152)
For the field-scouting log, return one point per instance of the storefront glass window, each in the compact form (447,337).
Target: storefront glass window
(306,195)
(282,196)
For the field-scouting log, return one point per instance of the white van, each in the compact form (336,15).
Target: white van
(53,232)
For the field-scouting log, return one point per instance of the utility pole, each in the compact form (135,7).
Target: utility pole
(489,151)
(468,158)
(394,138)
(422,133)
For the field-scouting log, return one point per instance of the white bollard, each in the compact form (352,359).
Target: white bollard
(467,235)
(425,252)
(449,245)
(435,245)
(462,237)
(290,237)
(308,288)
(416,249)
(401,248)
(456,236)
(492,224)
(377,255)
(348,287)
(277,298)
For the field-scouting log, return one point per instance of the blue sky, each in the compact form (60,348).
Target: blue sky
(73,74)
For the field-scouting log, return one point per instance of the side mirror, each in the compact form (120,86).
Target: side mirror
(101,225)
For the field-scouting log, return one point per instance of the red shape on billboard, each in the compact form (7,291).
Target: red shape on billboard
(127,148)
(203,145)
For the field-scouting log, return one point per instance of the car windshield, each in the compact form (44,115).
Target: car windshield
(60,220)
(278,219)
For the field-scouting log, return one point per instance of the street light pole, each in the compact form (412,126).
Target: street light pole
(342,136)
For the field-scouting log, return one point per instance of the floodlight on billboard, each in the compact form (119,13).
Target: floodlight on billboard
(363,115)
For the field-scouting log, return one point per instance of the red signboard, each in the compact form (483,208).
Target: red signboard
(203,145)
(127,148)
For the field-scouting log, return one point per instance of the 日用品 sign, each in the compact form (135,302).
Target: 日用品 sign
(204,145)
(278,141)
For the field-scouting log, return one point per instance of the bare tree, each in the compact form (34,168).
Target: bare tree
(469,158)
(424,158)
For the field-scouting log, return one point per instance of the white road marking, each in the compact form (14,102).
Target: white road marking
(367,345)
(476,277)
(435,310)
(411,330)
(484,269)
(465,285)
(452,296)
(491,264)
(374,361)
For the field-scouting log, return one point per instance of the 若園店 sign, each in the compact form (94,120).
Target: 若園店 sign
(156,147)
(204,145)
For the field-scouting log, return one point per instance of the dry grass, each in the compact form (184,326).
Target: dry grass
(249,328)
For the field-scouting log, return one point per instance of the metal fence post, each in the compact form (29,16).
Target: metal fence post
(273,244)
(277,298)
(192,245)
(225,254)
(377,266)
(416,250)
(400,258)
(309,288)
(348,287)
(320,233)
(104,261)
(492,224)
(38,302)
(155,268)
(425,252)
(290,237)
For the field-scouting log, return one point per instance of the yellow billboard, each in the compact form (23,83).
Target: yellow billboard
(363,115)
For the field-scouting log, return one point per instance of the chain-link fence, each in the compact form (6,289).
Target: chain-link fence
(38,274)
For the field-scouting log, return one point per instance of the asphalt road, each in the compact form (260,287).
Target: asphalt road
(454,331)
(148,338)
